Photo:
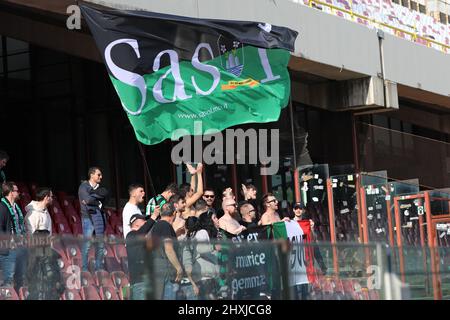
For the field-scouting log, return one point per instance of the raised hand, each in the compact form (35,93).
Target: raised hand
(191,169)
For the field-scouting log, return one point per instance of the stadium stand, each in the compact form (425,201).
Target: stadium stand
(390,17)
(8,293)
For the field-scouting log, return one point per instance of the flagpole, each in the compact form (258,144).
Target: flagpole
(294,168)
(147,170)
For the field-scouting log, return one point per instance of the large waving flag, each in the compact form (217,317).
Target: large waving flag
(170,71)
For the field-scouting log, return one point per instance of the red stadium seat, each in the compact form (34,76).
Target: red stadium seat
(77,229)
(90,293)
(111,264)
(109,293)
(87,279)
(23,293)
(8,293)
(76,205)
(374,295)
(120,251)
(23,188)
(124,264)
(109,230)
(72,249)
(71,294)
(104,279)
(120,279)
(63,227)
(33,189)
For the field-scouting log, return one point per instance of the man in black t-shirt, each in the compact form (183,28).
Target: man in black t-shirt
(136,247)
(166,265)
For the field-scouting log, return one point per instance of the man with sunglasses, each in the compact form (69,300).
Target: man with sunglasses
(248,214)
(209,196)
(227,222)
(270,215)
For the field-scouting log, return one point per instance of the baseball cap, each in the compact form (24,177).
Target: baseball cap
(298,205)
(135,217)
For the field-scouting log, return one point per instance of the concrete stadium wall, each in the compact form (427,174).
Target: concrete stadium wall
(323,38)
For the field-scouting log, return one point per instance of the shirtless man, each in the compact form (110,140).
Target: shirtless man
(192,191)
(227,221)
(270,215)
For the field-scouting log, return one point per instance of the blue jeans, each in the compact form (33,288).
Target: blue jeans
(138,291)
(14,266)
(88,232)
(21,267)
(186,292)
(8,266)
(170,290)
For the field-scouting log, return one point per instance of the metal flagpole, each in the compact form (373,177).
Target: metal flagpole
(295,171)
(147,170)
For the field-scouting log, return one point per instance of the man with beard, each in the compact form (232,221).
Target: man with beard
(227,222)
(136,193)
(179,203)
(209,196)
(248,214)
(270,215)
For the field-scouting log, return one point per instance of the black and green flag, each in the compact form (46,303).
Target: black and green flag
(170,71)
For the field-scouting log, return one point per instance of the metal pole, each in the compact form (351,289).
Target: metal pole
(294,153)
(292,132)
(147,170)
(437,293)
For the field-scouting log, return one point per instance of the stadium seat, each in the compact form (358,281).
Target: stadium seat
(124,264)
(120,251)
(23,188)
(90,293)
(374,295)
(109,230)
(33,189)
(87,279)
(8,293)
(23,293)
(109,293)
(76,205)
(77,229)
(120,279)
(71,294)
(63,227)
(73,251)
(103,279)
(112,264)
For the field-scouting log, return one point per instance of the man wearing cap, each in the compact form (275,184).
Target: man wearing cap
(166,265)
(300,215)
(140,225)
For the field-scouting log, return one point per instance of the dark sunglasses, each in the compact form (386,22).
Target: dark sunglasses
(208,196)
(273,200)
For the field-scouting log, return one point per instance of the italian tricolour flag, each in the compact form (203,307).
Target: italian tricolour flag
(301,258)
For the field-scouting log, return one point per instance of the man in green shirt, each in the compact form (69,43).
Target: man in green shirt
(161,199)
